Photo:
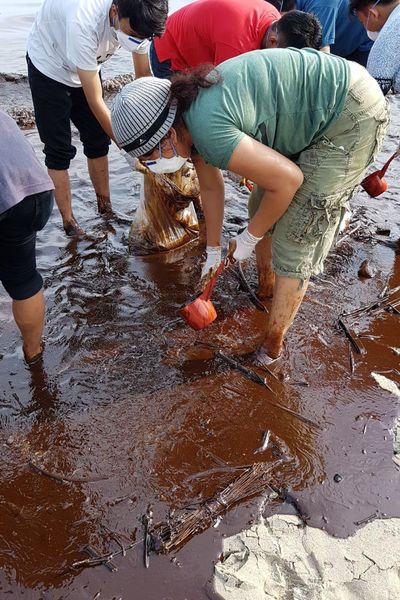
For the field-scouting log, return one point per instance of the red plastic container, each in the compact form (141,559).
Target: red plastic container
(201,312)
(375,184)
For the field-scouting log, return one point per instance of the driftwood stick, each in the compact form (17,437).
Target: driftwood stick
(63,478)
(257,379)
(246,286)
(356,345)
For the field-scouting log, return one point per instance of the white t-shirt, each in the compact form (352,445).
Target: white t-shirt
(72,34)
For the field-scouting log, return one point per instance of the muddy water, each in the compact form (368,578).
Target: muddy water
(136,413)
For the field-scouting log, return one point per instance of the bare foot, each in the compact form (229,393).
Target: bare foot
(72,229)
(103,204)
(262,359)
(35,357)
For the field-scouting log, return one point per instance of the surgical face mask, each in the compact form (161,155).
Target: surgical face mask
(166,165)
(373,35)
(129,42)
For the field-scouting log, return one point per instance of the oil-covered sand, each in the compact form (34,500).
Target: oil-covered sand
(137,414)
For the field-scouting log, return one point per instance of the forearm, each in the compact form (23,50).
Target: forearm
(103,115)
(213,208)
(212,198)
(272,206)
(93,91)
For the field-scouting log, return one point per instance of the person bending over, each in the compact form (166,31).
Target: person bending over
(26,202)
(68,42)
(305,141)
(382,21)
(210,31)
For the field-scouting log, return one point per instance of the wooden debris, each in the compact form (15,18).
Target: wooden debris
(61,477)
(172,534)
(246,286)
(257,379)
(357,345)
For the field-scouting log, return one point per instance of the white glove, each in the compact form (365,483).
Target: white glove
(129,159)
(212,263)
(242,246)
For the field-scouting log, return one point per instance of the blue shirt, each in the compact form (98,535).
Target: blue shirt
(341,31)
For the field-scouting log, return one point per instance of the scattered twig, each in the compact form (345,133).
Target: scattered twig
(349,234)
(351,357)
(63,478)
(93,554)
(254,377)
(256,301)
(212,471)
(265,442)
(101,560)
(356,345)
(245,370)
(382,298)
(393,309)
(147,522)
(366,520)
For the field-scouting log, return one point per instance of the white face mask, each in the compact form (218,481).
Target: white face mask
(166,165)
(373,35)
(128,42)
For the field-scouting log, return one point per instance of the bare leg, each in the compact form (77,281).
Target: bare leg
(288,295)
(266,276)
(62,194)
(29,317)
(98,171)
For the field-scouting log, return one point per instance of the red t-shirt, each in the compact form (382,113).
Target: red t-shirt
(211,31)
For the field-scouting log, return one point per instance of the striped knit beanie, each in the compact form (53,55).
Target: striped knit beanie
(142,114)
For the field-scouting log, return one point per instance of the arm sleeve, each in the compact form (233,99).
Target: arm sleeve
(384,61)
(82,46)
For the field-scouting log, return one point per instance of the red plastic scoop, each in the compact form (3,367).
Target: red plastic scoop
(375,184)
(201,312)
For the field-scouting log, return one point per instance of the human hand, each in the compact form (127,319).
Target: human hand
(212,263)
(242,245)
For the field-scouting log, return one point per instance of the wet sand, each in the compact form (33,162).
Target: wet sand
(131,406)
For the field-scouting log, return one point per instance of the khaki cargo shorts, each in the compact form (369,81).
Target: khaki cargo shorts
(333,167)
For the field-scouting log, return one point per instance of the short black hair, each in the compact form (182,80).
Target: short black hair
(360,4)
(146,17)
(283,5)
(299,30)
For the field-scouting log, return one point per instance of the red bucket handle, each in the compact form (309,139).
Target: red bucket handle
(206,293)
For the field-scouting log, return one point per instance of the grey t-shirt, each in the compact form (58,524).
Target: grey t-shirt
(21,173)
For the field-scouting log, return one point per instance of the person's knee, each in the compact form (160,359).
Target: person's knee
(25,287)
(58,159)
(93,150)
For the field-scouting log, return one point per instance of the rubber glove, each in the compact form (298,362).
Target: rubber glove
(242,246)
(212,263)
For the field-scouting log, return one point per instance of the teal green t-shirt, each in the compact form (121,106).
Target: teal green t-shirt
(283,98)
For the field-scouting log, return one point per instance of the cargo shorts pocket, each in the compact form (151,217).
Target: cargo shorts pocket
(381,124)
(310,219)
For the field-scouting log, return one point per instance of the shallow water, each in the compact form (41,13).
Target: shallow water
(129,398)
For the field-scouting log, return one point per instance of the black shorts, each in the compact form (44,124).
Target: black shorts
(56,105)
(18,227)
